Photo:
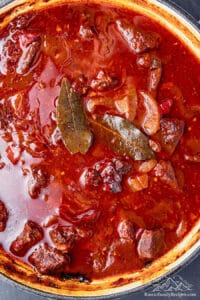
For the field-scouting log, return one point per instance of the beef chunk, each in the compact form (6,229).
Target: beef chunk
(29,56)
(63,237)
(103,81)
(154,64)
(155,74)
(31,235)
(165,171)
(150,243)
(154,79)
(170,133)
(125,103)
(92,177)
(38,180)
(48,260)
(3,216)
(126,230)
(6,114)
(137,39)
(106,173)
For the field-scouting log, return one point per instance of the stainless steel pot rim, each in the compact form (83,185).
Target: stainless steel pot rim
(182,12)
(5,2)
(193,255)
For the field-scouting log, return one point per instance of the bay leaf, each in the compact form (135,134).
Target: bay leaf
(71,120)
(122,136)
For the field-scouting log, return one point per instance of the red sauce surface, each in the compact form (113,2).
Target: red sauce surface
(29,138)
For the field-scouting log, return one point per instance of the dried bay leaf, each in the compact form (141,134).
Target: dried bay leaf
(71,120)
(122,136)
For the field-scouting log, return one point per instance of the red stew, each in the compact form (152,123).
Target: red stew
(99,140)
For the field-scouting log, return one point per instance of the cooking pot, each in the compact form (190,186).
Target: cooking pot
(23,275)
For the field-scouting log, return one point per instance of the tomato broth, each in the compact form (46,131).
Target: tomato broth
(99,140)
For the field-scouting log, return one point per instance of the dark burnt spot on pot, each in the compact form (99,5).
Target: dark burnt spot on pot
(77,276)
(11,269)
(36,279)
(43,280)
(147,263)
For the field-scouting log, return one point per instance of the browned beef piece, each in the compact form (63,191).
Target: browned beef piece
(107,173)
(138,39)
(103,81)
(155,74)
(93,178)
(30,236)
(29,56)
(48,260)
(3,216)
(6,114)
(165,171)
(38,180)
(126,230)
(154,64)
(170,133)
(150,243)
(63,237)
